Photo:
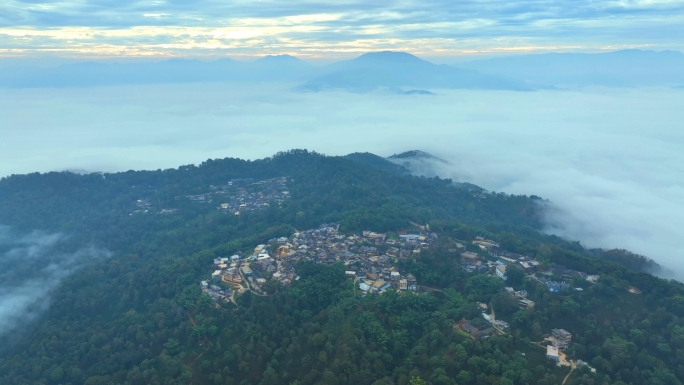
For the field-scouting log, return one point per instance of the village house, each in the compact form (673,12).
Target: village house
(470,256)
(483,333)
(552,353)
(500,271)
(561,338)
(525,303)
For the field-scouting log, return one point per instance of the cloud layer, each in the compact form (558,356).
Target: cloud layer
(611,160)
(29,270)
(315,29)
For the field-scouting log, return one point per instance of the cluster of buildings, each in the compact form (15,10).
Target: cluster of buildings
(474,332)
(494,325)
(554,278)
(553,286)
(233,272)
(244,194)
(560,340)
(142,205)
(472,262)
(521,297)
(255,196)
(216,292)
(367,256)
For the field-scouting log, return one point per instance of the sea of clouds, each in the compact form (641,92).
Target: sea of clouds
(610,159)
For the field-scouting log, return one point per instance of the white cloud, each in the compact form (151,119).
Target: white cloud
(612,160)
(30,270)
(138,28)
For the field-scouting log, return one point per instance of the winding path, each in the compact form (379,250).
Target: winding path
(572,367)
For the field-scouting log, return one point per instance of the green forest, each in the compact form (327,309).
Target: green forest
(138,316)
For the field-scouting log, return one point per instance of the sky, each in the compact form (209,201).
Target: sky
(609,159)
(332,29)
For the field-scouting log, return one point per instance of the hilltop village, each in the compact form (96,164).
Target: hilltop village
(238,196)
(370,260)
(367,256)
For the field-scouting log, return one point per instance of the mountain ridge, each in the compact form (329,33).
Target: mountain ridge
(621,68)
(395,71)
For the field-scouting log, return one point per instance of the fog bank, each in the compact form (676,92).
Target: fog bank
(611,160)
(30,269)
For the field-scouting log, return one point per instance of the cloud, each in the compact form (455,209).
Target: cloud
(610,160)
(30,268)
(206,28)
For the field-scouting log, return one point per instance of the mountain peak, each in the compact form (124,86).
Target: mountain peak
(390,56)
(417,154)
(279,59)
(283,63)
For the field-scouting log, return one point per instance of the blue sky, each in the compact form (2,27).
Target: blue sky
(333,29)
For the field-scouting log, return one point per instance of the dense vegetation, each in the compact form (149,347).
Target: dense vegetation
(138,317)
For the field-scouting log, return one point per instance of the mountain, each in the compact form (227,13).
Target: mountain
(377,162)
(415,155)
(417,92)
(624,68)
(287,61)
(111,279)
(85,74)
(396,70)
(282,68)
(277,68)
(393,70)
(419,162)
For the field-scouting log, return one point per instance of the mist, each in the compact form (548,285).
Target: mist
(31,267)
(609,159)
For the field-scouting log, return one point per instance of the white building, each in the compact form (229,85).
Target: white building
(501,271)
(552,352)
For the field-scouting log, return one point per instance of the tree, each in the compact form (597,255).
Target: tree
(569,306)
(172,345)
(514,275)
(57,374)
(439,377)
(536,330)
(483,287)
(504,303)
(520,318)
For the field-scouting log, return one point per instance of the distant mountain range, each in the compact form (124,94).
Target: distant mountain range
(84,74)
(397,72)
(626,68)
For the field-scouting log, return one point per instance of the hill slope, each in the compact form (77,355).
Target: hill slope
(138,316)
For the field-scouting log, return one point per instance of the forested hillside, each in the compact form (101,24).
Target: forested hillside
(138,316)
